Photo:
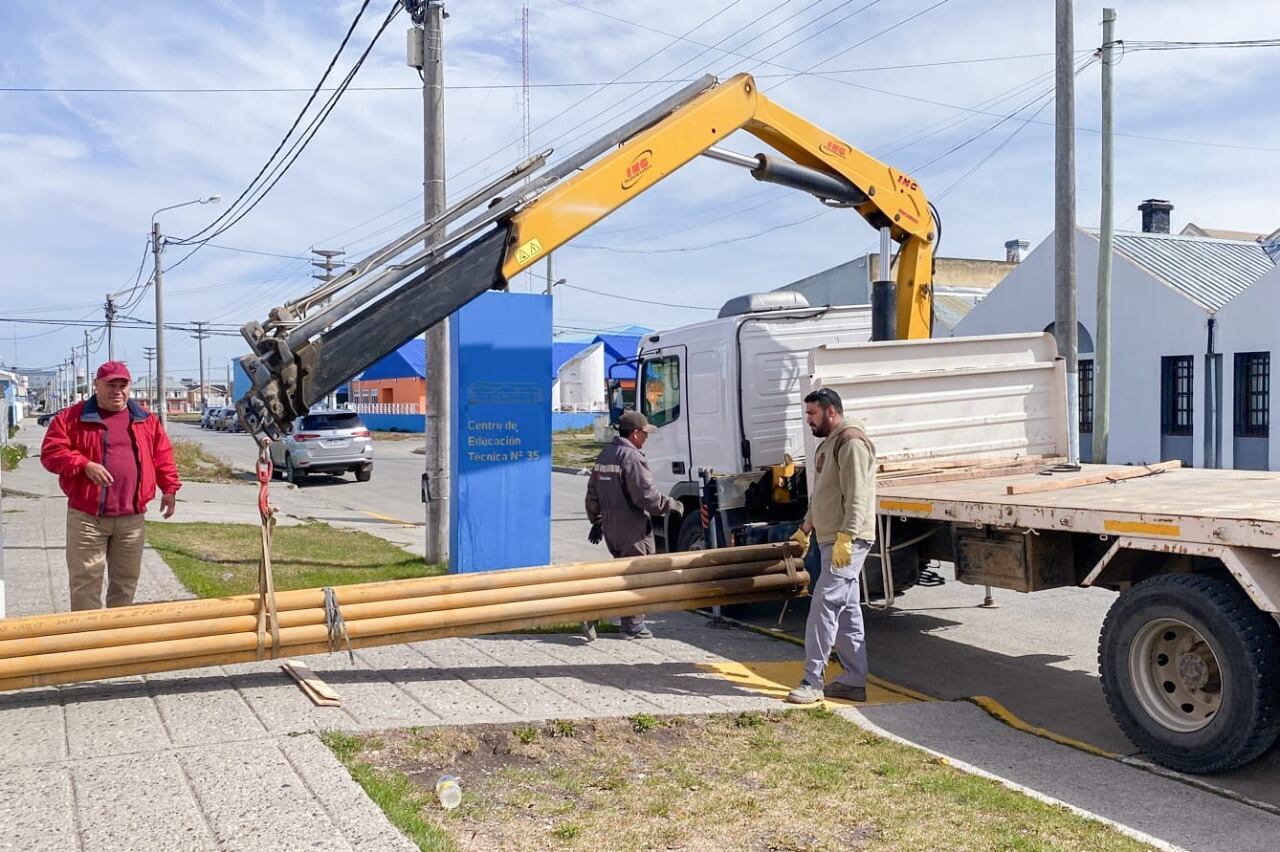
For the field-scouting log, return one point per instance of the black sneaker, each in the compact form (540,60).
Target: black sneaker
(846,692)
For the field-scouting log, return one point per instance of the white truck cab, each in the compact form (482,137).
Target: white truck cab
(726,394)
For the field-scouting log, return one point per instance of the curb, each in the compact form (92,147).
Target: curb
(1002,714)
(575,471)
(853,715)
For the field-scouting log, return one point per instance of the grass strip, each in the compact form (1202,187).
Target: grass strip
(785,780)
(575,449)
(216,560)
(197,464)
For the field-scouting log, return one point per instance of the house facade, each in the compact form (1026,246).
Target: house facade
(1175,337)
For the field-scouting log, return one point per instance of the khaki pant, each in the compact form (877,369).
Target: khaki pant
(95,543)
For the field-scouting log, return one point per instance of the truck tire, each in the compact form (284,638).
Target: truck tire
(1191,671)
(690,536)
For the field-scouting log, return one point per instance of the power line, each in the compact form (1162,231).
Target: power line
(633,299)
(1129,45)
(296,121)
(579,84)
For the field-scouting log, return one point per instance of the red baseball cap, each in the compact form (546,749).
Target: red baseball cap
(114,370)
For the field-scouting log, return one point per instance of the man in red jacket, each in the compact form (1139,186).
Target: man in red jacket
(110,454)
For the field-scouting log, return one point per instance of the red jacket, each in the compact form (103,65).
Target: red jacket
(78,436)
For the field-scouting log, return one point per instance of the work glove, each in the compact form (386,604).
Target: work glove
(596,535)
(676,508)
(801,538)
(842,552)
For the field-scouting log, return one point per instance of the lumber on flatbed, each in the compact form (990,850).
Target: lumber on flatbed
(977,471)
(1091,479)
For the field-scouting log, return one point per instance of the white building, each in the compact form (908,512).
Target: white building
(580,382)
(1180,320)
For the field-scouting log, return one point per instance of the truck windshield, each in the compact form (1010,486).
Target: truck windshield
(660,391)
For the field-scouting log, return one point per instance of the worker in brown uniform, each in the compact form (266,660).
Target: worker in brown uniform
(622,502)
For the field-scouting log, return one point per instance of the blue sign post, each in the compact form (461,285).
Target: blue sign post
(500,500)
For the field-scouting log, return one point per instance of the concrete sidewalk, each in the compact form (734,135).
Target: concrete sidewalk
(227,757)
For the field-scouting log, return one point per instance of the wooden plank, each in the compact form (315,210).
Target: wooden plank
(320,693)
(930,465)
(1091,479)
(1006,468)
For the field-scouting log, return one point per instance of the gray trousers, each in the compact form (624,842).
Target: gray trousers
(835,618)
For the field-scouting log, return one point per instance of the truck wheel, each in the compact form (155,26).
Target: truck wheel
(1191,671)
(690,536)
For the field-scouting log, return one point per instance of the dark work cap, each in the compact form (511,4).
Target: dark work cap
(634,421)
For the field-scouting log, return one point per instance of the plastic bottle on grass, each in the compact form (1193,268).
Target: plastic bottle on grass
(449,791)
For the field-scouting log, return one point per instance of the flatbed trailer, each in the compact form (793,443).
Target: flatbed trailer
(971,440)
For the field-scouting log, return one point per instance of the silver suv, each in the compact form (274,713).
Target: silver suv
(325,442)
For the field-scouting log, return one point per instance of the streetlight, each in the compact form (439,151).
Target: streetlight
(157,248)
(551,285)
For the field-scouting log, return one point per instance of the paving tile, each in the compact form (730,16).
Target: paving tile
(138,800)
(112,717)
(31,730)
(254,800)
(36,810)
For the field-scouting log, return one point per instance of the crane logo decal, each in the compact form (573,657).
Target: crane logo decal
(834,148)
(528,251)
(640,164)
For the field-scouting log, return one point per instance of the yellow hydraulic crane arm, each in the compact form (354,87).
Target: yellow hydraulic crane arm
(884,196)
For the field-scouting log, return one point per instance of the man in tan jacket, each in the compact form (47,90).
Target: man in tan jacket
(843,518)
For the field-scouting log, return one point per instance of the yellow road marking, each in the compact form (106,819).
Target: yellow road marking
(1002,713)
(906,506)
(1141,528)
(388,518)
(777,678)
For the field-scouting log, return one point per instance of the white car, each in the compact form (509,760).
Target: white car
(331,441)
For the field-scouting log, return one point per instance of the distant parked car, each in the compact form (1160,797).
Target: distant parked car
(43,419)
(209,417)
(229,421)
(331,441)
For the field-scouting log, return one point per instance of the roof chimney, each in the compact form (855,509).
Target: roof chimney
(1014,250)
(1155,216)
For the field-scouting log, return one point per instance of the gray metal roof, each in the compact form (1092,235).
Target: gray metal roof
(1209,272)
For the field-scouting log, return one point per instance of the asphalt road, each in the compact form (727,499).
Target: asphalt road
(1035,654)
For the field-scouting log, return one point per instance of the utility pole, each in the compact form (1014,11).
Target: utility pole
(87,394)
(157,249)
(1106,231)
(551,275)
(200,336)
(1064,219)
(149,352)
(111,327)
(328,264)
(428,18)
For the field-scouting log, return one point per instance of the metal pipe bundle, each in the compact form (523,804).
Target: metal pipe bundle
(93,645)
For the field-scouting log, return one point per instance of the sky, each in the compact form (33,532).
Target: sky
(82,172)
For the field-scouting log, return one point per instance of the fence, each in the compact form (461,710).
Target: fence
(386,408)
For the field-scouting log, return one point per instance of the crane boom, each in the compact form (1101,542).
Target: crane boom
(299,358)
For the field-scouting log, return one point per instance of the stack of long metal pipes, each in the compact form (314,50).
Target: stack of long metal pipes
(93,645)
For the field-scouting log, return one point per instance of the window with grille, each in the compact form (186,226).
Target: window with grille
(1086,395)
(1253,394)
(1176,375)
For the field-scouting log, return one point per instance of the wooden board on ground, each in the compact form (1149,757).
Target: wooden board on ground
(317,690)
(1092,479)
